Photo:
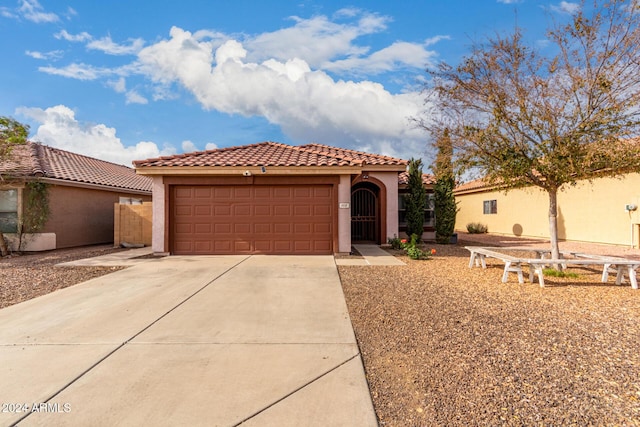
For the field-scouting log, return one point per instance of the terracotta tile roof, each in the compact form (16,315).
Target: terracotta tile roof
(427,179)
(272,154)
(36,160)
(368,158)
(475,185)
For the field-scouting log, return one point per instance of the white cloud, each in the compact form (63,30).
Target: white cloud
(59,128)
(33,11)
(54,54)
(107,46)
(397,55)
(308,105)
(189,147)
(510,1)
(281,76)
(316,40)
(6,12)
(76,71)
(211,146)
(81,37)
(567,7)
(133,97)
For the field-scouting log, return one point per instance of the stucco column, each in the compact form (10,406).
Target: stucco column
(157,234)
(390,181)
(344,214)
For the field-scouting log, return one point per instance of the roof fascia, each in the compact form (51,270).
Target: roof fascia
(62,182)
(257,170)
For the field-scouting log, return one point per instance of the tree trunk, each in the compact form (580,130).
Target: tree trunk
(4,250)
(553,225)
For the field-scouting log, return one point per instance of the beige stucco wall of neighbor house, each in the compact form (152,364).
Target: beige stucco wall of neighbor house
(589,212)
(344,214)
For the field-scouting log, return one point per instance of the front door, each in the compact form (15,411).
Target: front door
(364,215)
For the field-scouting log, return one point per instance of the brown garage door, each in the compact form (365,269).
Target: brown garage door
(244,219)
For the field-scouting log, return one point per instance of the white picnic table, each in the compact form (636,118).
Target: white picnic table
(513,264)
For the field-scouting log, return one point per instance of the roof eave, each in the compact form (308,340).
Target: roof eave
(268,170)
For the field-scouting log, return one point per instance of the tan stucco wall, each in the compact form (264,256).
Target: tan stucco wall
(390,180)
(158,226)
(589,212)
(344,214)
(82,216)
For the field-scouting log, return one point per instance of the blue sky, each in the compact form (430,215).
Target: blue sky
(122,80)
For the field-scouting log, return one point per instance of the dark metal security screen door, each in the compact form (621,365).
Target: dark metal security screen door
(364,218)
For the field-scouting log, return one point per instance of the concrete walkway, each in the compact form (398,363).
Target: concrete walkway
(121,258)
(371,255)
(215,341)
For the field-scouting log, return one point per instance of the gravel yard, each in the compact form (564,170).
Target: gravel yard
(27,276)
(445,345)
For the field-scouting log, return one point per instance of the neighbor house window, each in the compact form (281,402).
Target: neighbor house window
(9,211)
(490,207)
(429,218)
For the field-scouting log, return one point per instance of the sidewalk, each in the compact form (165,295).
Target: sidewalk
(371,255)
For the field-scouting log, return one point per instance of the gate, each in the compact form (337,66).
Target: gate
(364,215)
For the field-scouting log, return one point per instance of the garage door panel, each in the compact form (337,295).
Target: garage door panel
(322,210)
(183,193)
(303,228)
(184,228)
(202,210)
(302,210)
(281,192)
(241,210)
(276,219)
(263,246)
(262,210)
(224,228)
(262,228)
(223,246)
(240,193)
(203,246)
(221,210)
(320,228)
(202,192)
(282,210)
(183,211)
(222,193)
(242,228)
(202,228)
(261,193)
(242,246)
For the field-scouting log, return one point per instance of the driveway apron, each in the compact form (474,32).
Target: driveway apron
(211,340)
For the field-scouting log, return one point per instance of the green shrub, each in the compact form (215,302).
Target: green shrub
(552,272)
(395,242)
(477,228)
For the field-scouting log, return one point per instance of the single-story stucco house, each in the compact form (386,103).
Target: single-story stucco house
(602,211)
(81,191)
(273,198)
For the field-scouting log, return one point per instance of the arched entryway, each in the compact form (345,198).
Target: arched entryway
(365,213)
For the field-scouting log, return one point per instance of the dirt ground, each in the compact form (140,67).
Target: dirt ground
(29,275)
(446,345)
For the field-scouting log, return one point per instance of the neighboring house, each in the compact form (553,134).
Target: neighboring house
(603,211)
(429,217)
(82,192)
(272,198)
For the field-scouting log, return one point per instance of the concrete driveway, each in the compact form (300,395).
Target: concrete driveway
(216,341)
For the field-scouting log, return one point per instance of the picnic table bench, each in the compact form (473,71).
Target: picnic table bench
(513,264)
